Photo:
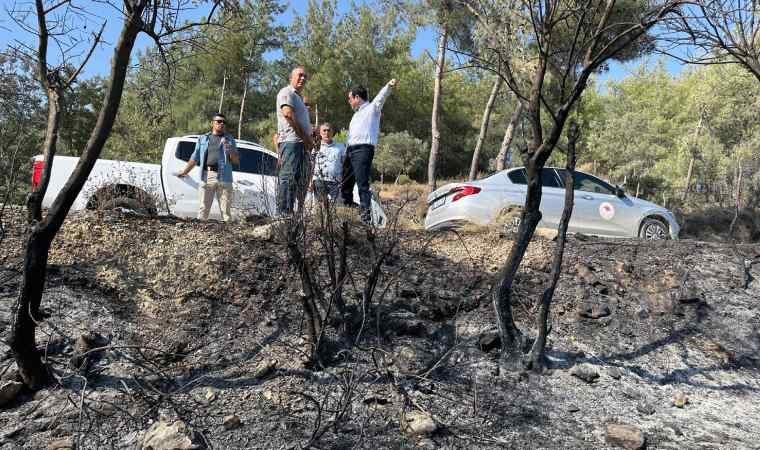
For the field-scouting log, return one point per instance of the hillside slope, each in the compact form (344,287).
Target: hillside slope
(199,322)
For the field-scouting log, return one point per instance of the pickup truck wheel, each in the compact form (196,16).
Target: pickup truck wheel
(653,230)
(128,203)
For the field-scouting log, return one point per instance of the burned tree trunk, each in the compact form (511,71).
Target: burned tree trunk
(55,100)
(536,358)
(512,339)
(310,296)
(600,36)
(26,310)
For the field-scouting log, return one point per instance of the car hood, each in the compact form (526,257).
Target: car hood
(645,204)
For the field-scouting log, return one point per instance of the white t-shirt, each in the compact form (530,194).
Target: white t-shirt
(289,96)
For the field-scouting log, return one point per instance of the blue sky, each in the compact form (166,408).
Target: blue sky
(99,64)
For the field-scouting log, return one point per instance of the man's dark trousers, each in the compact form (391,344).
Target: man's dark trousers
(291,184)
(356,169)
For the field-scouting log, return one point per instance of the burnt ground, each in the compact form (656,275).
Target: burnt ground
(200,321)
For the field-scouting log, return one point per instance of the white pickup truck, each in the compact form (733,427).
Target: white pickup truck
(154,188)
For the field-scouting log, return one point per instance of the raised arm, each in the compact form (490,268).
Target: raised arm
(381,96)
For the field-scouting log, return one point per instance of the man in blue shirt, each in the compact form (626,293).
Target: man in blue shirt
(328,164)
(215,152)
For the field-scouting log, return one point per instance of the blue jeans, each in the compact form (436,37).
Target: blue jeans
(357,168)
(329,188)
(291,183)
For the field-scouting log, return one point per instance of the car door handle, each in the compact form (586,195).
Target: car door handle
(587,197)
(245,183)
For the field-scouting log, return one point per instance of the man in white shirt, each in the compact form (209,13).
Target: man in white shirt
(294,142)
(362,139)
(328,164)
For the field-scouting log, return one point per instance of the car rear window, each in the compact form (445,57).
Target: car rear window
(548,178)
(256,162)
(518,176)
(184,150)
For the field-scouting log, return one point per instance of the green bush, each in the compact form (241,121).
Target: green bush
(403,179)
(400,154)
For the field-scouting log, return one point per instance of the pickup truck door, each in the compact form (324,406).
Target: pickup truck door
(182,193)
(254,183)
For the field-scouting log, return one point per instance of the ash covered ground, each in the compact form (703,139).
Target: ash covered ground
(200,330)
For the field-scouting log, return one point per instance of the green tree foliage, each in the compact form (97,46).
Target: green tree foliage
(22,120)
(642,129)
(221,61)
(370,47)
(79,113)
(401,153)
(363,47)
(643,119)
(646,129)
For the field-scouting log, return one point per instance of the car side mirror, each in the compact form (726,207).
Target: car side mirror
(619,192)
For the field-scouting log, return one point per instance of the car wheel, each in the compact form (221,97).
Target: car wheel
(653,230)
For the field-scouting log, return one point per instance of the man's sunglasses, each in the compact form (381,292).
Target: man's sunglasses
(220,121)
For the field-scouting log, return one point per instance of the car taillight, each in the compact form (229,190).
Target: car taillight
(463,191)
(37,167)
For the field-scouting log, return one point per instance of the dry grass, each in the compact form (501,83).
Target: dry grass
(712,224)
(412,198)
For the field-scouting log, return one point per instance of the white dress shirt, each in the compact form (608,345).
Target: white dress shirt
(365,125)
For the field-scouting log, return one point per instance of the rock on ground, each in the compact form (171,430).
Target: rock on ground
(417,423)
(170,436)
(9,390)
(628,437)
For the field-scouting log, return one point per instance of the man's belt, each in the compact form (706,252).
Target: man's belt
(212,168)
(359,145)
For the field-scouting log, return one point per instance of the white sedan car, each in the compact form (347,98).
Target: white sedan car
(600,209)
